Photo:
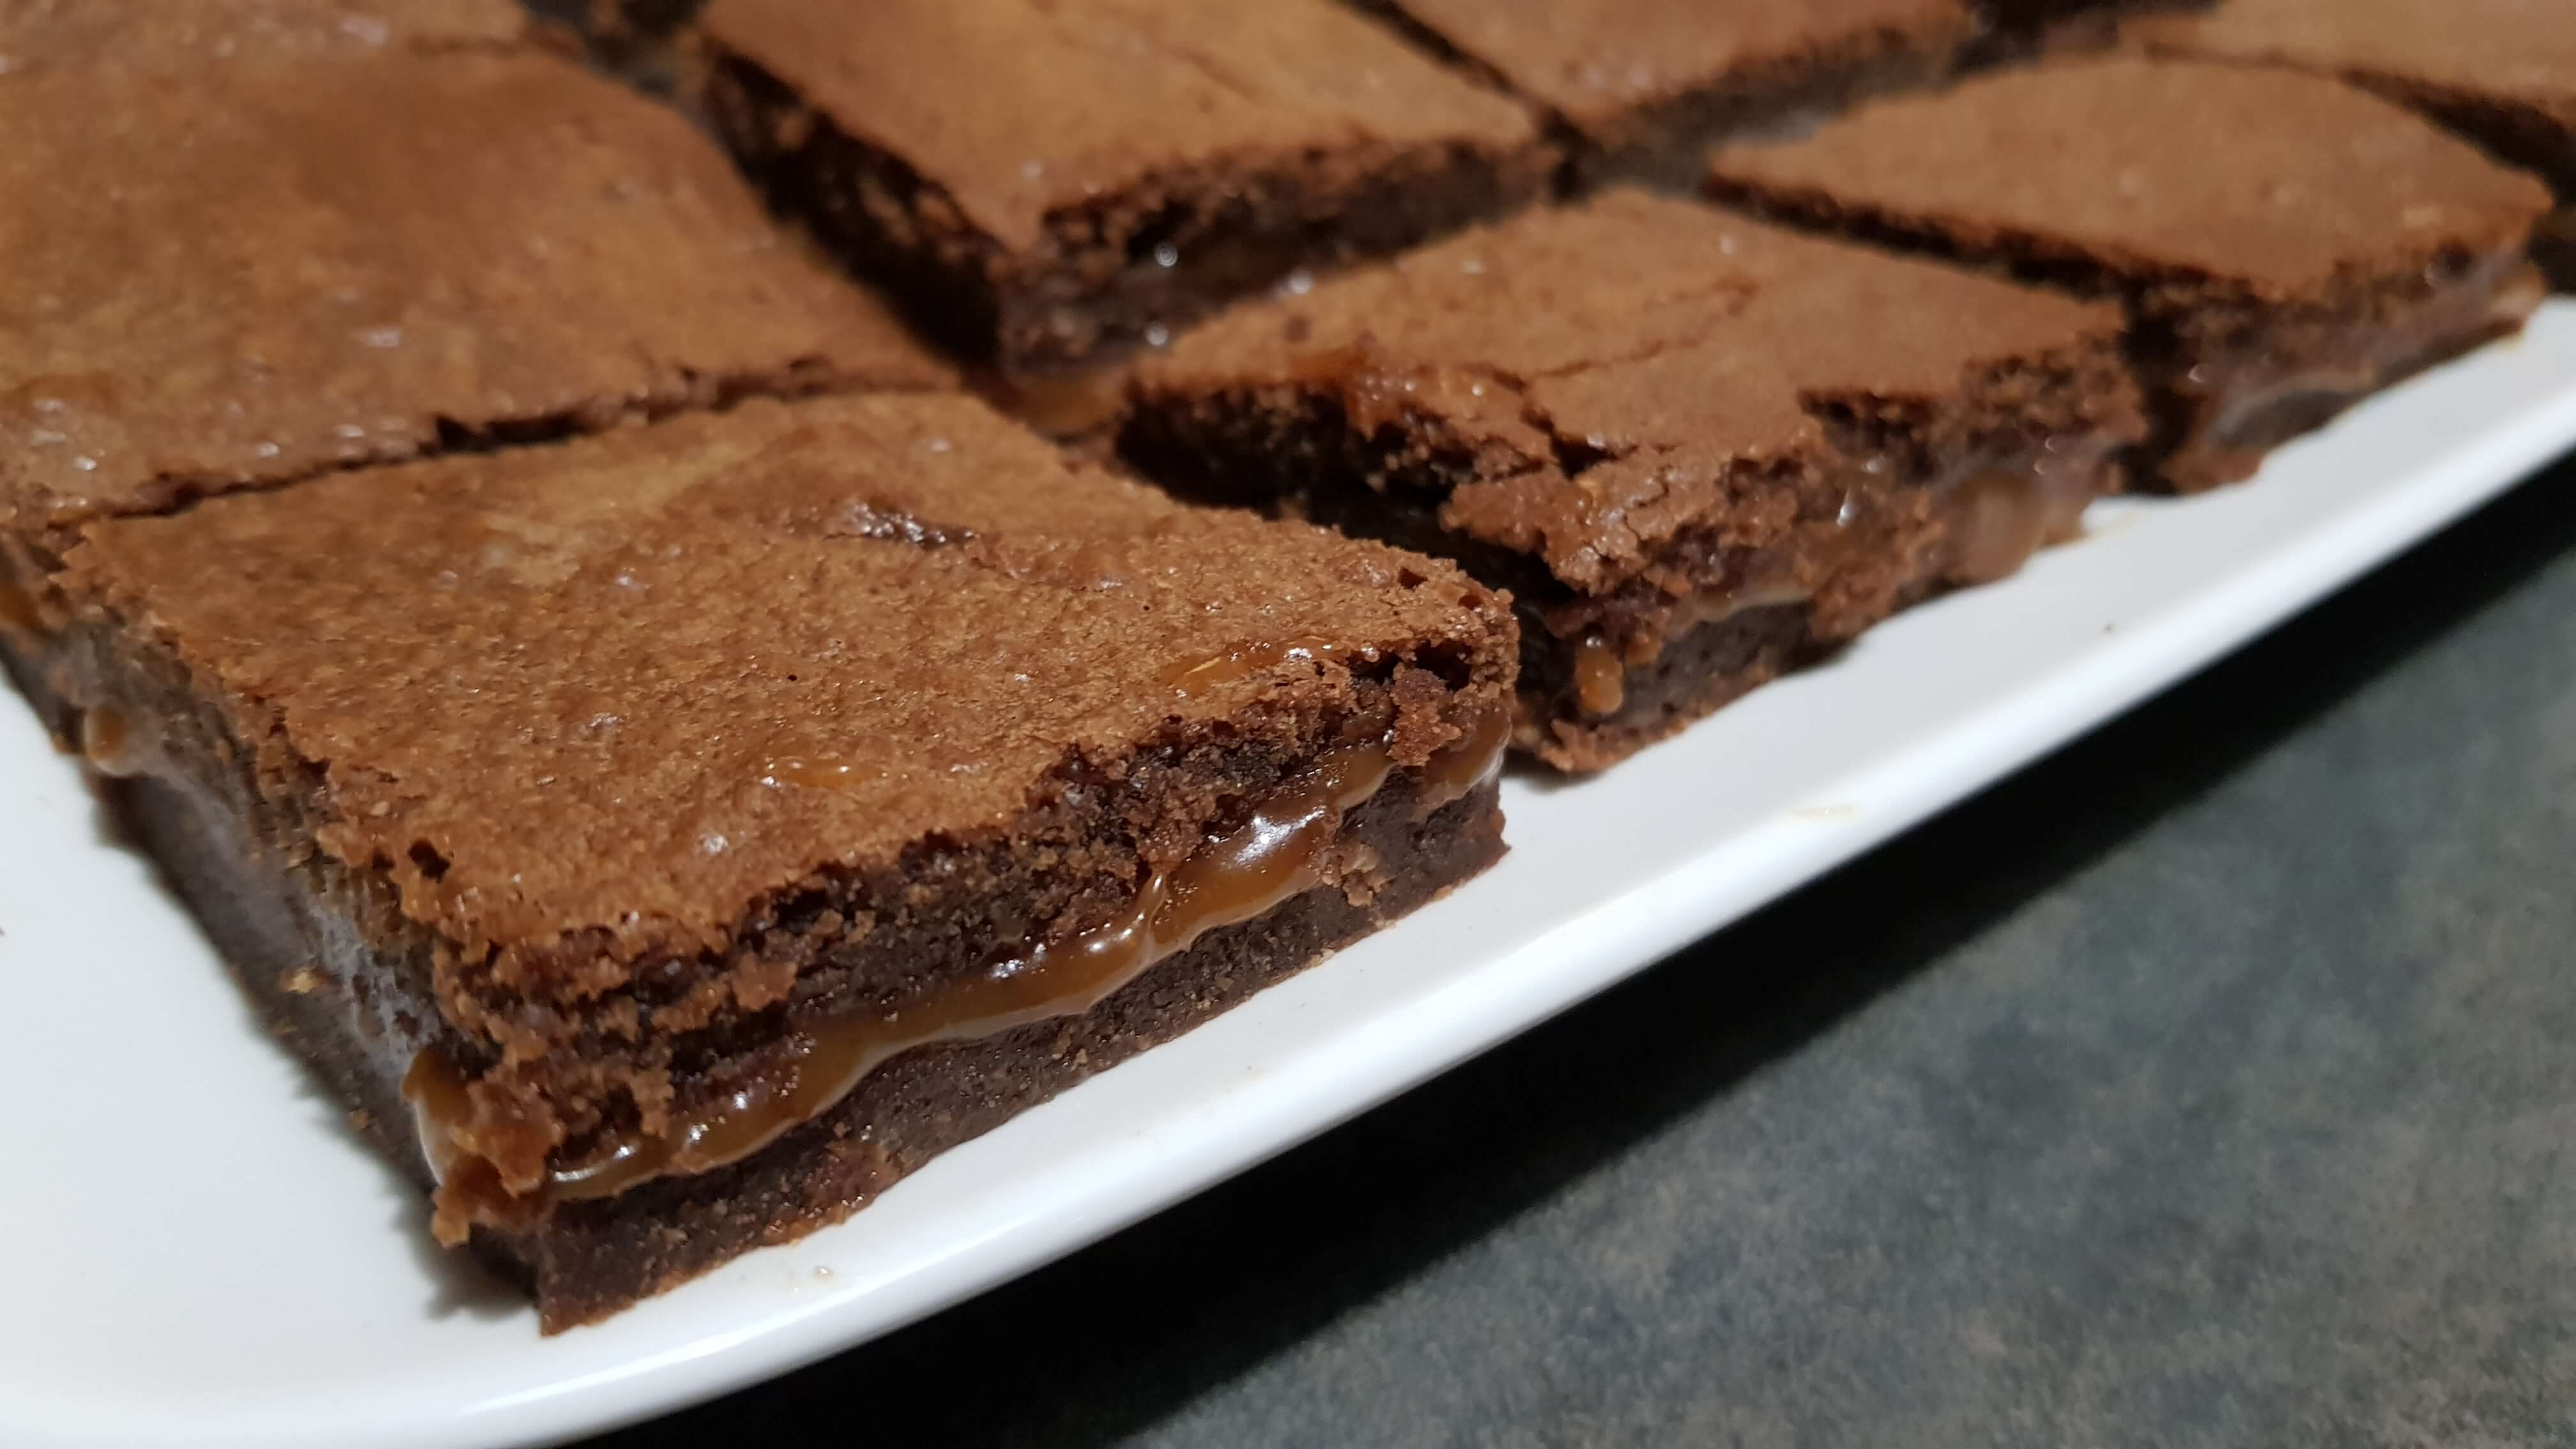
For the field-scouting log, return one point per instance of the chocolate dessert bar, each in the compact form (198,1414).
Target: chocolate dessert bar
(2285,244)
(1046,182)
(277,270)
(1642,87)
(84,34)
(2501,72)
(668,839)
(1696,449)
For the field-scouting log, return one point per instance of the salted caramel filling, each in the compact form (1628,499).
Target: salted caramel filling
(1276,855)
(1600,677)
(1995,520)
(1061,404)
(2257,405)
(1991,517)
(107,741)
(1242,661)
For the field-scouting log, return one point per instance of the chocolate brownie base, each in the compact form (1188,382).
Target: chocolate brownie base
(1639,89)
(1075,215)
(2285,245)
(768,749)
(1727,451)
(596,1258)
(2500,72)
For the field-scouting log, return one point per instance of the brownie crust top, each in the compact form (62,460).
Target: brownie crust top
(273,270)
(1592,60)
(2521,52)
(2271,182)
(88,34)
(627,686)
(1017,108)
(1613,367)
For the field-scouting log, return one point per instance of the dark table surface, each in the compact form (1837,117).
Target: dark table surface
(2212,1083)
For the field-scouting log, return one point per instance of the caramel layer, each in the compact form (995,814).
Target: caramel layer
(1244,660)
(1992,516)
(1276,855)
(2253,406)
(1600,677)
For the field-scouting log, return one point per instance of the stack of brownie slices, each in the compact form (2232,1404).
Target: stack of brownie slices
(626,677)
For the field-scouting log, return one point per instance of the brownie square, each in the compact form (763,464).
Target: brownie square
(2501,72)
(1642,87)
(184,34)
(2285,244)
(1046,183)
(1696,449)
(666,840)
(280,269)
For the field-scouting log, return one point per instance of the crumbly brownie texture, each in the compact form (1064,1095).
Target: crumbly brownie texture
(2502,72)
(2285,244)
(1046,180)
(84,35)
(1642,87)
(281,269)
(623,803)
(1696,449)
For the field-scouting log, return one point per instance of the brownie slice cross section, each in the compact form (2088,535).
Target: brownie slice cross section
(2285,244)
(1695,448)
(277,268)
(1051,183)
(2501,72)
(1641,87)
(669,839)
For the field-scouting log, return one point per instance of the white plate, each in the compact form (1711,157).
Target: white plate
(192,1250)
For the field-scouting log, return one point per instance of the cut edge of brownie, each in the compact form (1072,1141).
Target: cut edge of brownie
(1121,271)
(228,809)
(2229,375)
(1900,503)
(1663,143)
(40,531)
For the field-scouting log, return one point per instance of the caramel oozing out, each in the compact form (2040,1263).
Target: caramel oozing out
(1600,678)
(2255,407)
(1273,857)
(1242,661)
(1994,520)
(107,742)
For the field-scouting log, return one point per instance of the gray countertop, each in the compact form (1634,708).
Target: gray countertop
(2213,1083)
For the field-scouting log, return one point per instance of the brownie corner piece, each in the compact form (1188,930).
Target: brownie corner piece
(1640,88)
(1696,449)
(1052,184)
(915,774)
(2285,244)
(2500,72)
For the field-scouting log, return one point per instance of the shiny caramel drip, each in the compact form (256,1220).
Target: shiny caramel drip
(1275,856)
(1600,678)
(107,742)
(1465,767)
(1065,404)
(1996,517)
(1242,661)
